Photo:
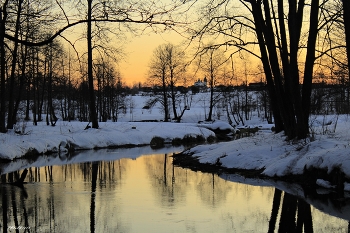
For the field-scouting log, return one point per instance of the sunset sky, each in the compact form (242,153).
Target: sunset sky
(139,51)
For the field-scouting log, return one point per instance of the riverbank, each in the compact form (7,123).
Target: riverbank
(72,136)
(322,160)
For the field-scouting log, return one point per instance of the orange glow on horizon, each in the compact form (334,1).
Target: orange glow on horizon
(139,50)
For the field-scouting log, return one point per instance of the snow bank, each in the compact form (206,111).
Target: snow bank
(65,135)
(278,157)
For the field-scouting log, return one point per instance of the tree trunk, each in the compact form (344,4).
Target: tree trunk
(211,103)
(275,101)
(165,98)
(346,11)
(173,95)
(303,122)
(51,111)
(285,104)
(290,108)
(3,17)
(21,82)
(92,104)
(11,113)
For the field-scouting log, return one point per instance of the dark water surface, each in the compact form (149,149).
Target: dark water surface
(146,193)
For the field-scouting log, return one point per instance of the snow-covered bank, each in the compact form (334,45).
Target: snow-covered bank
(276,157)
(47,139)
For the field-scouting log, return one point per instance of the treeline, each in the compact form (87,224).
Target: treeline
(33,63)
(290,49)
(44,95)
(238,104)
(46,90)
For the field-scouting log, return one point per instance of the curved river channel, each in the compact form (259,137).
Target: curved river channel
(139,190)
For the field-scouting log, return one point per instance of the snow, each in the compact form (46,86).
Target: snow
(328,148)
(217,125)
(278,157)
(45,139)
(324,183)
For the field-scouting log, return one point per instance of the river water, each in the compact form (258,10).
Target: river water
(133,191)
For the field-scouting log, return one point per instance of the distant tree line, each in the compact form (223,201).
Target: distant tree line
(47,88)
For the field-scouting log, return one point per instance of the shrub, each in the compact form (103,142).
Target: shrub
(200,138)
(211,139)
(157,142)
(189,139)
(176,142)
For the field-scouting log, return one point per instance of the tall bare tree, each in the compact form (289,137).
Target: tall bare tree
(346,15)
(279,30)
(11,113)
(165,70)
(158,74)
(211,62)
(3,19)
(92,104)
(175,61)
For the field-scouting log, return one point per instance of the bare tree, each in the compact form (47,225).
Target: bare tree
(211,62)
(92,104)
(346,15)
(175,62)
(158,74)
(3,19)
(53,56)
(165,70)
(11,113)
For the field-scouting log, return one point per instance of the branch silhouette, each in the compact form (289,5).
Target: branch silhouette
(150,22)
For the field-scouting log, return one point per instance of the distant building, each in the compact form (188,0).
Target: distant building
(201,84)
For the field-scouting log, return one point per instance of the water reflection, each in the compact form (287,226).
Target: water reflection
(149,194)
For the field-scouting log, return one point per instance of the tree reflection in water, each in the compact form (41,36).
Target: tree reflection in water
(274,212)
(56,198)
(12,186)
(292,208)
(93,195)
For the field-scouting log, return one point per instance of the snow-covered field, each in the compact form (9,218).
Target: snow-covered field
(328,149)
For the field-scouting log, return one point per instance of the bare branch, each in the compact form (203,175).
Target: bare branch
(166,23)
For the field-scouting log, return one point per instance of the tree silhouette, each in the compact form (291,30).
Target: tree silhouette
(211,62)
(346,16)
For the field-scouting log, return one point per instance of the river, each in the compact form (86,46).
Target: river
(139,190)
